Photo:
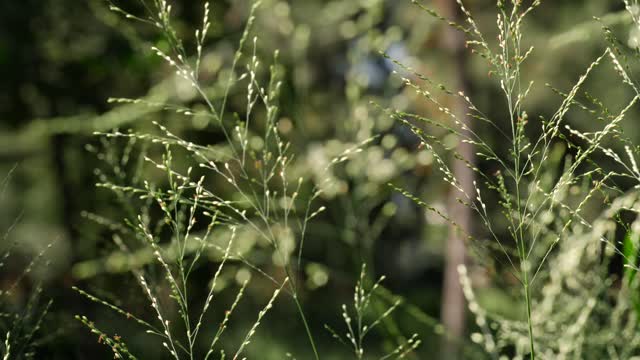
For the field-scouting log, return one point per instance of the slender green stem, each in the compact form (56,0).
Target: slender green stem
(306,326)
(527,298)
(524,267)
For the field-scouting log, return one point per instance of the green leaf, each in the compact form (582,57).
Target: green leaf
(630,255)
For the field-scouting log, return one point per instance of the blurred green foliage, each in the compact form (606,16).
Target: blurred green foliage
(60,60)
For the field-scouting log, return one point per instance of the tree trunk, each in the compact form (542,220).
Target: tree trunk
(453,306)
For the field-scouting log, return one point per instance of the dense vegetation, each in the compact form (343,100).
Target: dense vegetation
(360,179)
